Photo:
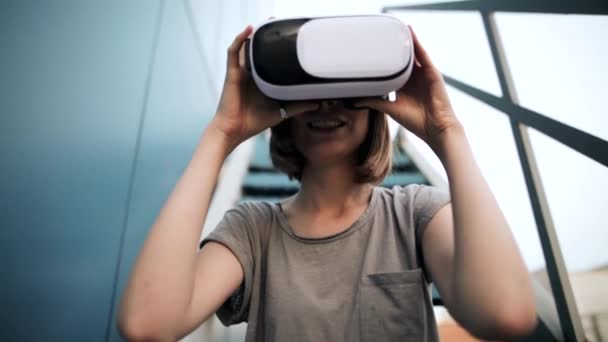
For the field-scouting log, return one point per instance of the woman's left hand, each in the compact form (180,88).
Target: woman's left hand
(422,105)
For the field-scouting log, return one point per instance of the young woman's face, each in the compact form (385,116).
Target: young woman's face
(331,133)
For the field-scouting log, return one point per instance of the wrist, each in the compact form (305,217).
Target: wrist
(218,137)
(449,139)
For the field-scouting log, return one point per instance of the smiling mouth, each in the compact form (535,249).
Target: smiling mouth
(325,124)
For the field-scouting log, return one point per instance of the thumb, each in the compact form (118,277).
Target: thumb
(379,104)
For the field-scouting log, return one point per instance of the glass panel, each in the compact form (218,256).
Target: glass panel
(456,41)
(558,63)
(576,188)
(491,139)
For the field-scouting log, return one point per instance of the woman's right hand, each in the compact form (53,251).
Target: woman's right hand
(243,110)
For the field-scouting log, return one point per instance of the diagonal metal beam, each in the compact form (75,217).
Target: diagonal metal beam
(520,119)
(594,7)
(567,311)
(582,142)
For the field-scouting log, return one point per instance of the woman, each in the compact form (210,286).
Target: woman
(342,260)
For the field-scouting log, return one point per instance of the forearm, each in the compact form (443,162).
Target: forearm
(490,279)
(162,279)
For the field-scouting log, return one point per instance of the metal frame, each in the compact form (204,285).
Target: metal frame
(521,118)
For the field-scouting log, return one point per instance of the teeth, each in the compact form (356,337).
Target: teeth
(325,123)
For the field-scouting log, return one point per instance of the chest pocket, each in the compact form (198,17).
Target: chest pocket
(392,306)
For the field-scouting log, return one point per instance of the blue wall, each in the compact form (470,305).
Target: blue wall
(101,106)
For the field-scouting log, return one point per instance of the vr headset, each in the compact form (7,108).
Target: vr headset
(336,57)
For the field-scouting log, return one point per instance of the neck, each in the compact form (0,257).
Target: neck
(331,188)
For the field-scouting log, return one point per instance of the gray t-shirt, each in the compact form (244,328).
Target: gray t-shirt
(366,283)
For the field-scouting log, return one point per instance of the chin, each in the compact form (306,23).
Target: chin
(330,152)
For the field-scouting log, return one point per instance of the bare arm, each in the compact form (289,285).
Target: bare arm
(173,288)
(470,252)
(472,255)
(161,286)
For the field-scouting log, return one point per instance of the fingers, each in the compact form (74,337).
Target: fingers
(301,107)
(381,105)
(422,57)
(235,47)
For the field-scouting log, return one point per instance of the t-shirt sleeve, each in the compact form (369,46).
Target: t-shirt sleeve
(421,203)
(235,232)
(427,201)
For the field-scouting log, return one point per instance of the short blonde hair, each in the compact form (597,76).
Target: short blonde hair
(374,153)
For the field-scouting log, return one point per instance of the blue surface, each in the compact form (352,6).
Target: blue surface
(270,180)
(261,153)
(403,179)
(72,81)
(179,106)
(262,199)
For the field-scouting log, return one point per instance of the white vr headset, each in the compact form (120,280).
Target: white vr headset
(330,57)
